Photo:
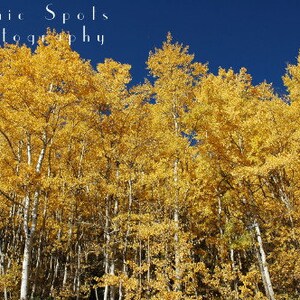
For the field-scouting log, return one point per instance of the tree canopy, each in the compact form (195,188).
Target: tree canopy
(183,187)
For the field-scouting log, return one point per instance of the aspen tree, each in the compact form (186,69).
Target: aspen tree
(175,76)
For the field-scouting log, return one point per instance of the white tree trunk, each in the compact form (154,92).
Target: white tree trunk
(2,271)
(25,269)
(263,264)
(107,245)
(234,270)
(30,212)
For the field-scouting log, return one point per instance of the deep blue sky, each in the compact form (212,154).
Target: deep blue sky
(262,36)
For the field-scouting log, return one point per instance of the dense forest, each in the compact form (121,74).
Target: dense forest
(183,187)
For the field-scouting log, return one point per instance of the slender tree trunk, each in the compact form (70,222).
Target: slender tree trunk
(234,271)
(25,268)
(109,254)
(2,270)
(65,277)
(78,283)
(56,264)
(68,259)
(148,260)
(107,245)
(37,268)
(220,215)
(30,212)
(112,295)
(27,246)
(177,285)
(112,288)
(29,234)
(140,266)
(96,294)
(128,227)
(263,264)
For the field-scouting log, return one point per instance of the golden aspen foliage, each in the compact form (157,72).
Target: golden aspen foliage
(185,186)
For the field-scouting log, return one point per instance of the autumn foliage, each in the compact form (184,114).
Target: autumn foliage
(183,187)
